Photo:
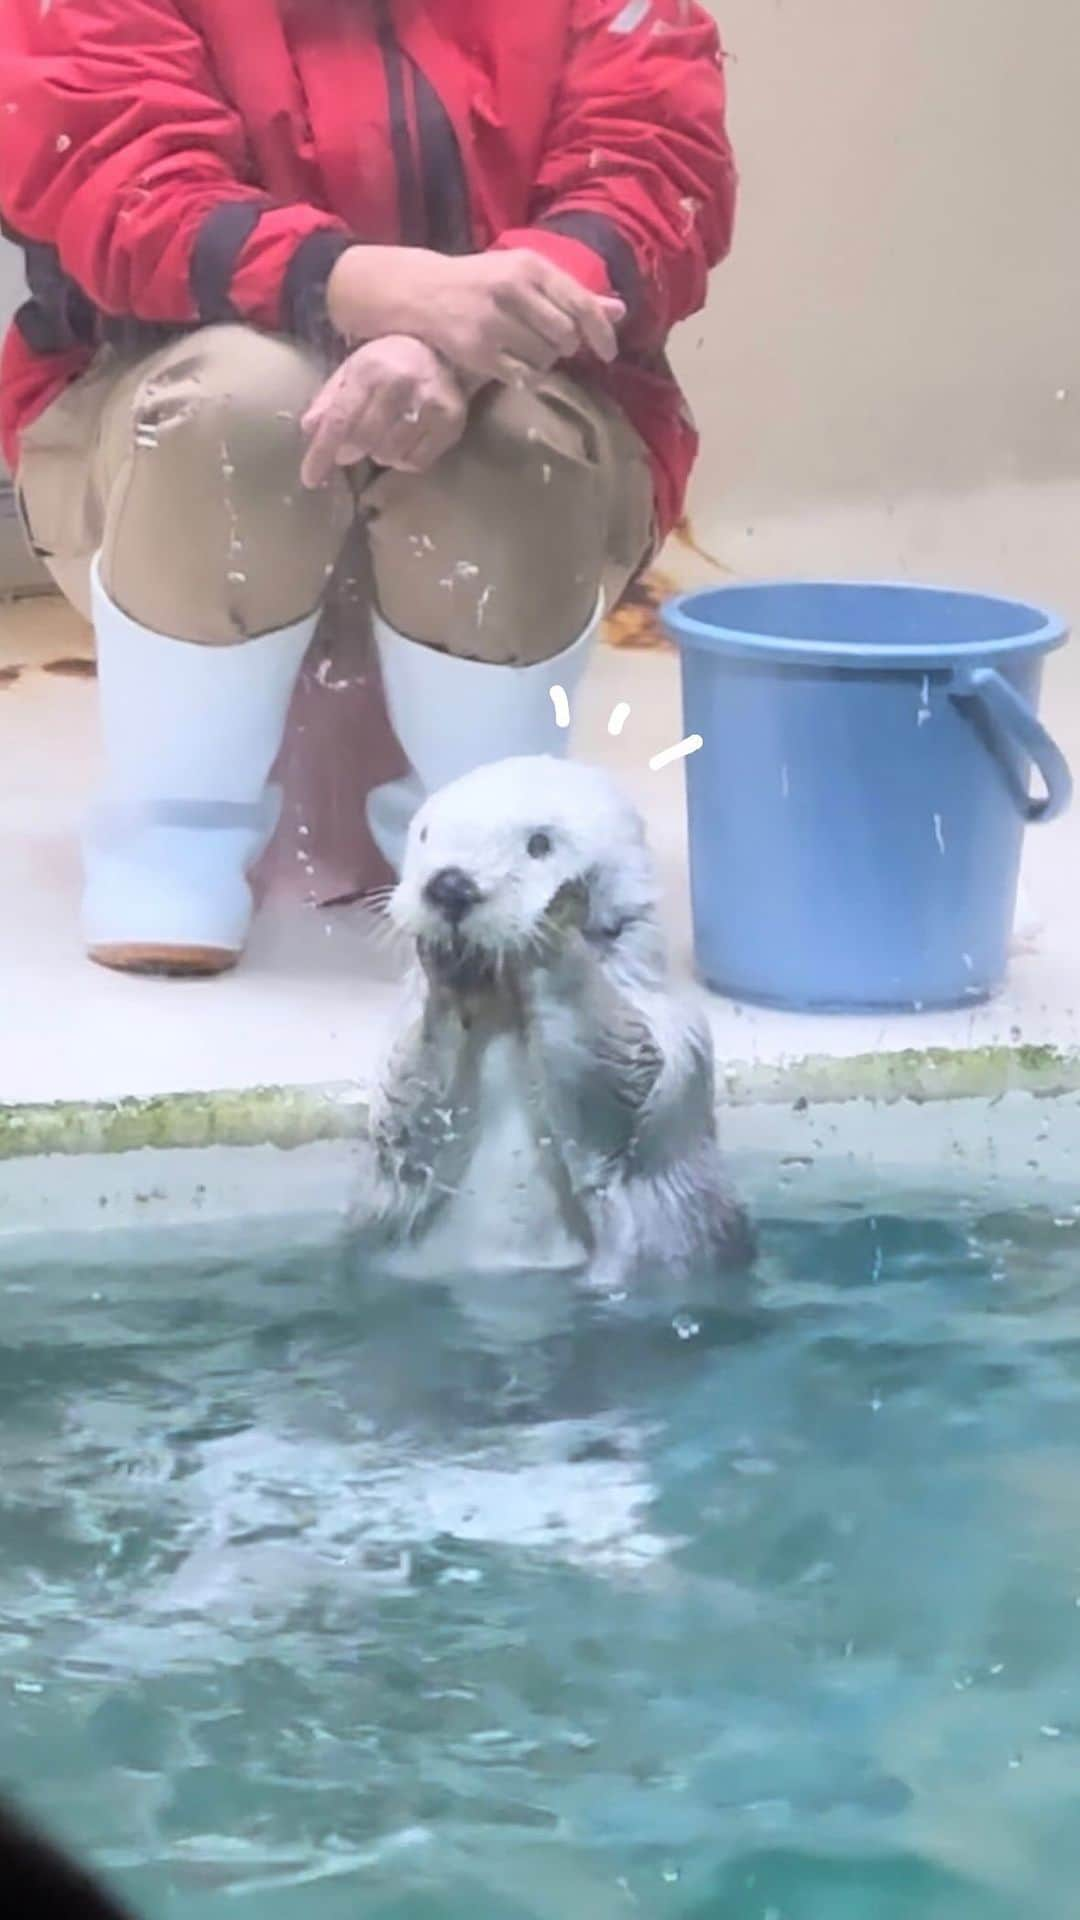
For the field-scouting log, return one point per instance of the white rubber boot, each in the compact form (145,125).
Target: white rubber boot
(452,715)
(190,735)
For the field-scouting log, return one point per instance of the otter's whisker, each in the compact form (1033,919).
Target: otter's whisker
(384,933)
(374,909)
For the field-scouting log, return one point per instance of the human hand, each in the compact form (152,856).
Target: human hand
(508,316)
(393,402)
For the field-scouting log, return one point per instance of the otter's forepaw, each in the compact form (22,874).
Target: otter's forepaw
(559,945)
(557,960)
(569,910)
(457,968)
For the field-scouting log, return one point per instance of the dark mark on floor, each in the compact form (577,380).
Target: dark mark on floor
(72,669)
(637,621)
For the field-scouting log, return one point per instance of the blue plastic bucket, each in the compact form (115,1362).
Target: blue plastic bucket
(857,810)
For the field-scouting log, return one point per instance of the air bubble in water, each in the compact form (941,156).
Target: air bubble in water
(686,1326)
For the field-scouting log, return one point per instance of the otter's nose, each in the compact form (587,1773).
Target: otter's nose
(453,892)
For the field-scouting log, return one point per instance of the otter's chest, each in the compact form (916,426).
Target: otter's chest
(508,1209)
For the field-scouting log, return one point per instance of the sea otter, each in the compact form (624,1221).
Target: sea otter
(550,1103)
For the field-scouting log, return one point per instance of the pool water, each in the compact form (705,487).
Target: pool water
(320,1597)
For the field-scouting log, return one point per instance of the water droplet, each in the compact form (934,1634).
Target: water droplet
(63,142)
(753,1467)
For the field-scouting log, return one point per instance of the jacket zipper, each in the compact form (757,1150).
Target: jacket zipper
(433,194)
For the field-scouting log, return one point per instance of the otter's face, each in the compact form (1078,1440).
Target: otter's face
(507,855)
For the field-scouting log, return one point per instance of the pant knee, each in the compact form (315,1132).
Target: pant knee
(500,552)
(209,532)
(229,406)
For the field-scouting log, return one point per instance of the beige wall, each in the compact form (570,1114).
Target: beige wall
(903,305)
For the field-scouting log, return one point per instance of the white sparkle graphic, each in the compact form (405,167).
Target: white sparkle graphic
(561,705)
(619,717)
(692,744)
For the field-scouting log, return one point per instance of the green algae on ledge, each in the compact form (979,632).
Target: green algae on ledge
(297,1116)
(250,1117)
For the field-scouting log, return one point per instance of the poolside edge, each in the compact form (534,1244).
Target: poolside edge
(299,1116)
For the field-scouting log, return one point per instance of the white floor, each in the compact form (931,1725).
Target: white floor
(305,1008)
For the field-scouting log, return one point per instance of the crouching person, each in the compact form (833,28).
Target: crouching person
(292,262)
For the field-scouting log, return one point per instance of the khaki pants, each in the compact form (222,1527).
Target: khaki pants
(183,470)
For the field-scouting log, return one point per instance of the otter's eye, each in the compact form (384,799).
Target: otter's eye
(540,846)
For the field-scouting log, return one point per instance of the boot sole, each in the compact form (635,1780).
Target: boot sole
(166,963)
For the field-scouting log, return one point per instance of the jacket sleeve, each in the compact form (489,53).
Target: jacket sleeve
(121,159)
(636,189)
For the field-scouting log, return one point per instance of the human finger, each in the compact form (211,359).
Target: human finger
(341,426)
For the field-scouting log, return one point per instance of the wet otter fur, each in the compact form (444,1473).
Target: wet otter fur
(551,1101)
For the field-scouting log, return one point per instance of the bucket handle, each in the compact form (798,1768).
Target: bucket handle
(1019,722)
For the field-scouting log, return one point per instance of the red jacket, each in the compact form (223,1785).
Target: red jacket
(172,163)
